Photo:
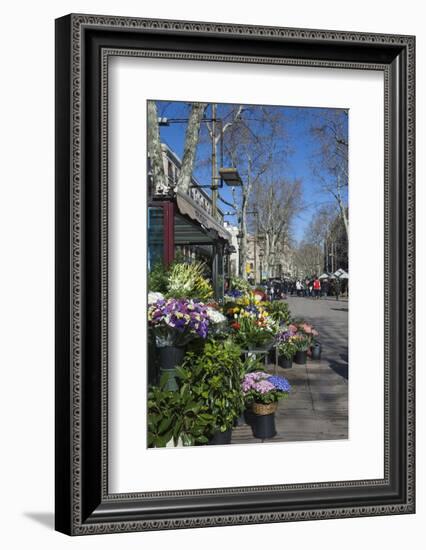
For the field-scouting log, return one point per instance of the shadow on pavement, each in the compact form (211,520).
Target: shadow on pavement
(340,367)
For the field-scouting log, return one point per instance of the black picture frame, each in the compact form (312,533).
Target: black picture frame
(83,504)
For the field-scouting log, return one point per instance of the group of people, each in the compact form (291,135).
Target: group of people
(314,287)
(310,287)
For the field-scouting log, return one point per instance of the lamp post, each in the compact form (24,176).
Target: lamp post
(256,215)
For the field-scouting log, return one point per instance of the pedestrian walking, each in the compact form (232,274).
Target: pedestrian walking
(317,287)
(337,288)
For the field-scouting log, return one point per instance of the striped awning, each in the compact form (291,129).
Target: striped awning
(188,207)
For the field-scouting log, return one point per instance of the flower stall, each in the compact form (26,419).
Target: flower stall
(208,358)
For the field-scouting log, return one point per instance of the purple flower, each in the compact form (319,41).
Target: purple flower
(280,383)
(184,316)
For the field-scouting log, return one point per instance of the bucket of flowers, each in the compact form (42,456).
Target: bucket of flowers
(262,392)
(175,323)
(286,348)
(307,341)
(252,333)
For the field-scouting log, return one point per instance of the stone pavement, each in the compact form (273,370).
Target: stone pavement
(317,408)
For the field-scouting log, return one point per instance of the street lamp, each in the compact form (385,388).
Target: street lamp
(230,176)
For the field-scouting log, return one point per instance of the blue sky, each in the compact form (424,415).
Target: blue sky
(297,163)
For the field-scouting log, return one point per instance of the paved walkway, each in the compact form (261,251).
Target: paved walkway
(317,408)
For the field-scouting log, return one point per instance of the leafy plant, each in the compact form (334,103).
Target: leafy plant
(237,283)
(249,334)
(180,280)
(301,342)
(285,344)
(287,349)
(163,407)
(279,312)
(158,279)
(174,416)
(188,281)
(253,363)
(213,379)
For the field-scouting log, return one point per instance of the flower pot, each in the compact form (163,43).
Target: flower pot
(263,420)
(170,358)
(285,363)
(221,438)
(316,352)
(248,416)
(300,357)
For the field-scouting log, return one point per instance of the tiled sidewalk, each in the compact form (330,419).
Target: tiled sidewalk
(317,408)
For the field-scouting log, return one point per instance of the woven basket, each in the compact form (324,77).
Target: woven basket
(261,409)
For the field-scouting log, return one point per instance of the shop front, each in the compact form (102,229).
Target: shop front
(179,228)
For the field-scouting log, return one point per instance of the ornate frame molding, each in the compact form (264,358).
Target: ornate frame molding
(77,513)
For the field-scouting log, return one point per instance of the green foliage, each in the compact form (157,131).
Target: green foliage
(278,311)
(175,415)
(301,342)
(213,379)
(188,281)
(158,279)
(163,406)
(250,335)
(237,283)
(287,349)
(208,400)
(253,363)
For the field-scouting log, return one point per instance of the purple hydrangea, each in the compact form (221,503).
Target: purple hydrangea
(258,382)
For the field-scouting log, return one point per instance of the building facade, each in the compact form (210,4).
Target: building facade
(181,225)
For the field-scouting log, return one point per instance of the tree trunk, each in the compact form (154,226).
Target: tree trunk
(243,236)
(190,149)
(344,217)
(267,256)
(160,184)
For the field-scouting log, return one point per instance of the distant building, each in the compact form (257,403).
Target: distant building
(281,262)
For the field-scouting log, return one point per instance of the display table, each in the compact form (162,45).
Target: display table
(263,352)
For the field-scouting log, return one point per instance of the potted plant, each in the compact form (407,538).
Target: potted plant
(186,280)
(250,333)
(174,419)
(213,379)
(175,322)
(162,414)
(316,350)
(263,391)
(301,344)
(315,346)
(279,312)
(286,349)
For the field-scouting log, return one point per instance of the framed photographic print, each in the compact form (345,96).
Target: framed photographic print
(234,274)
